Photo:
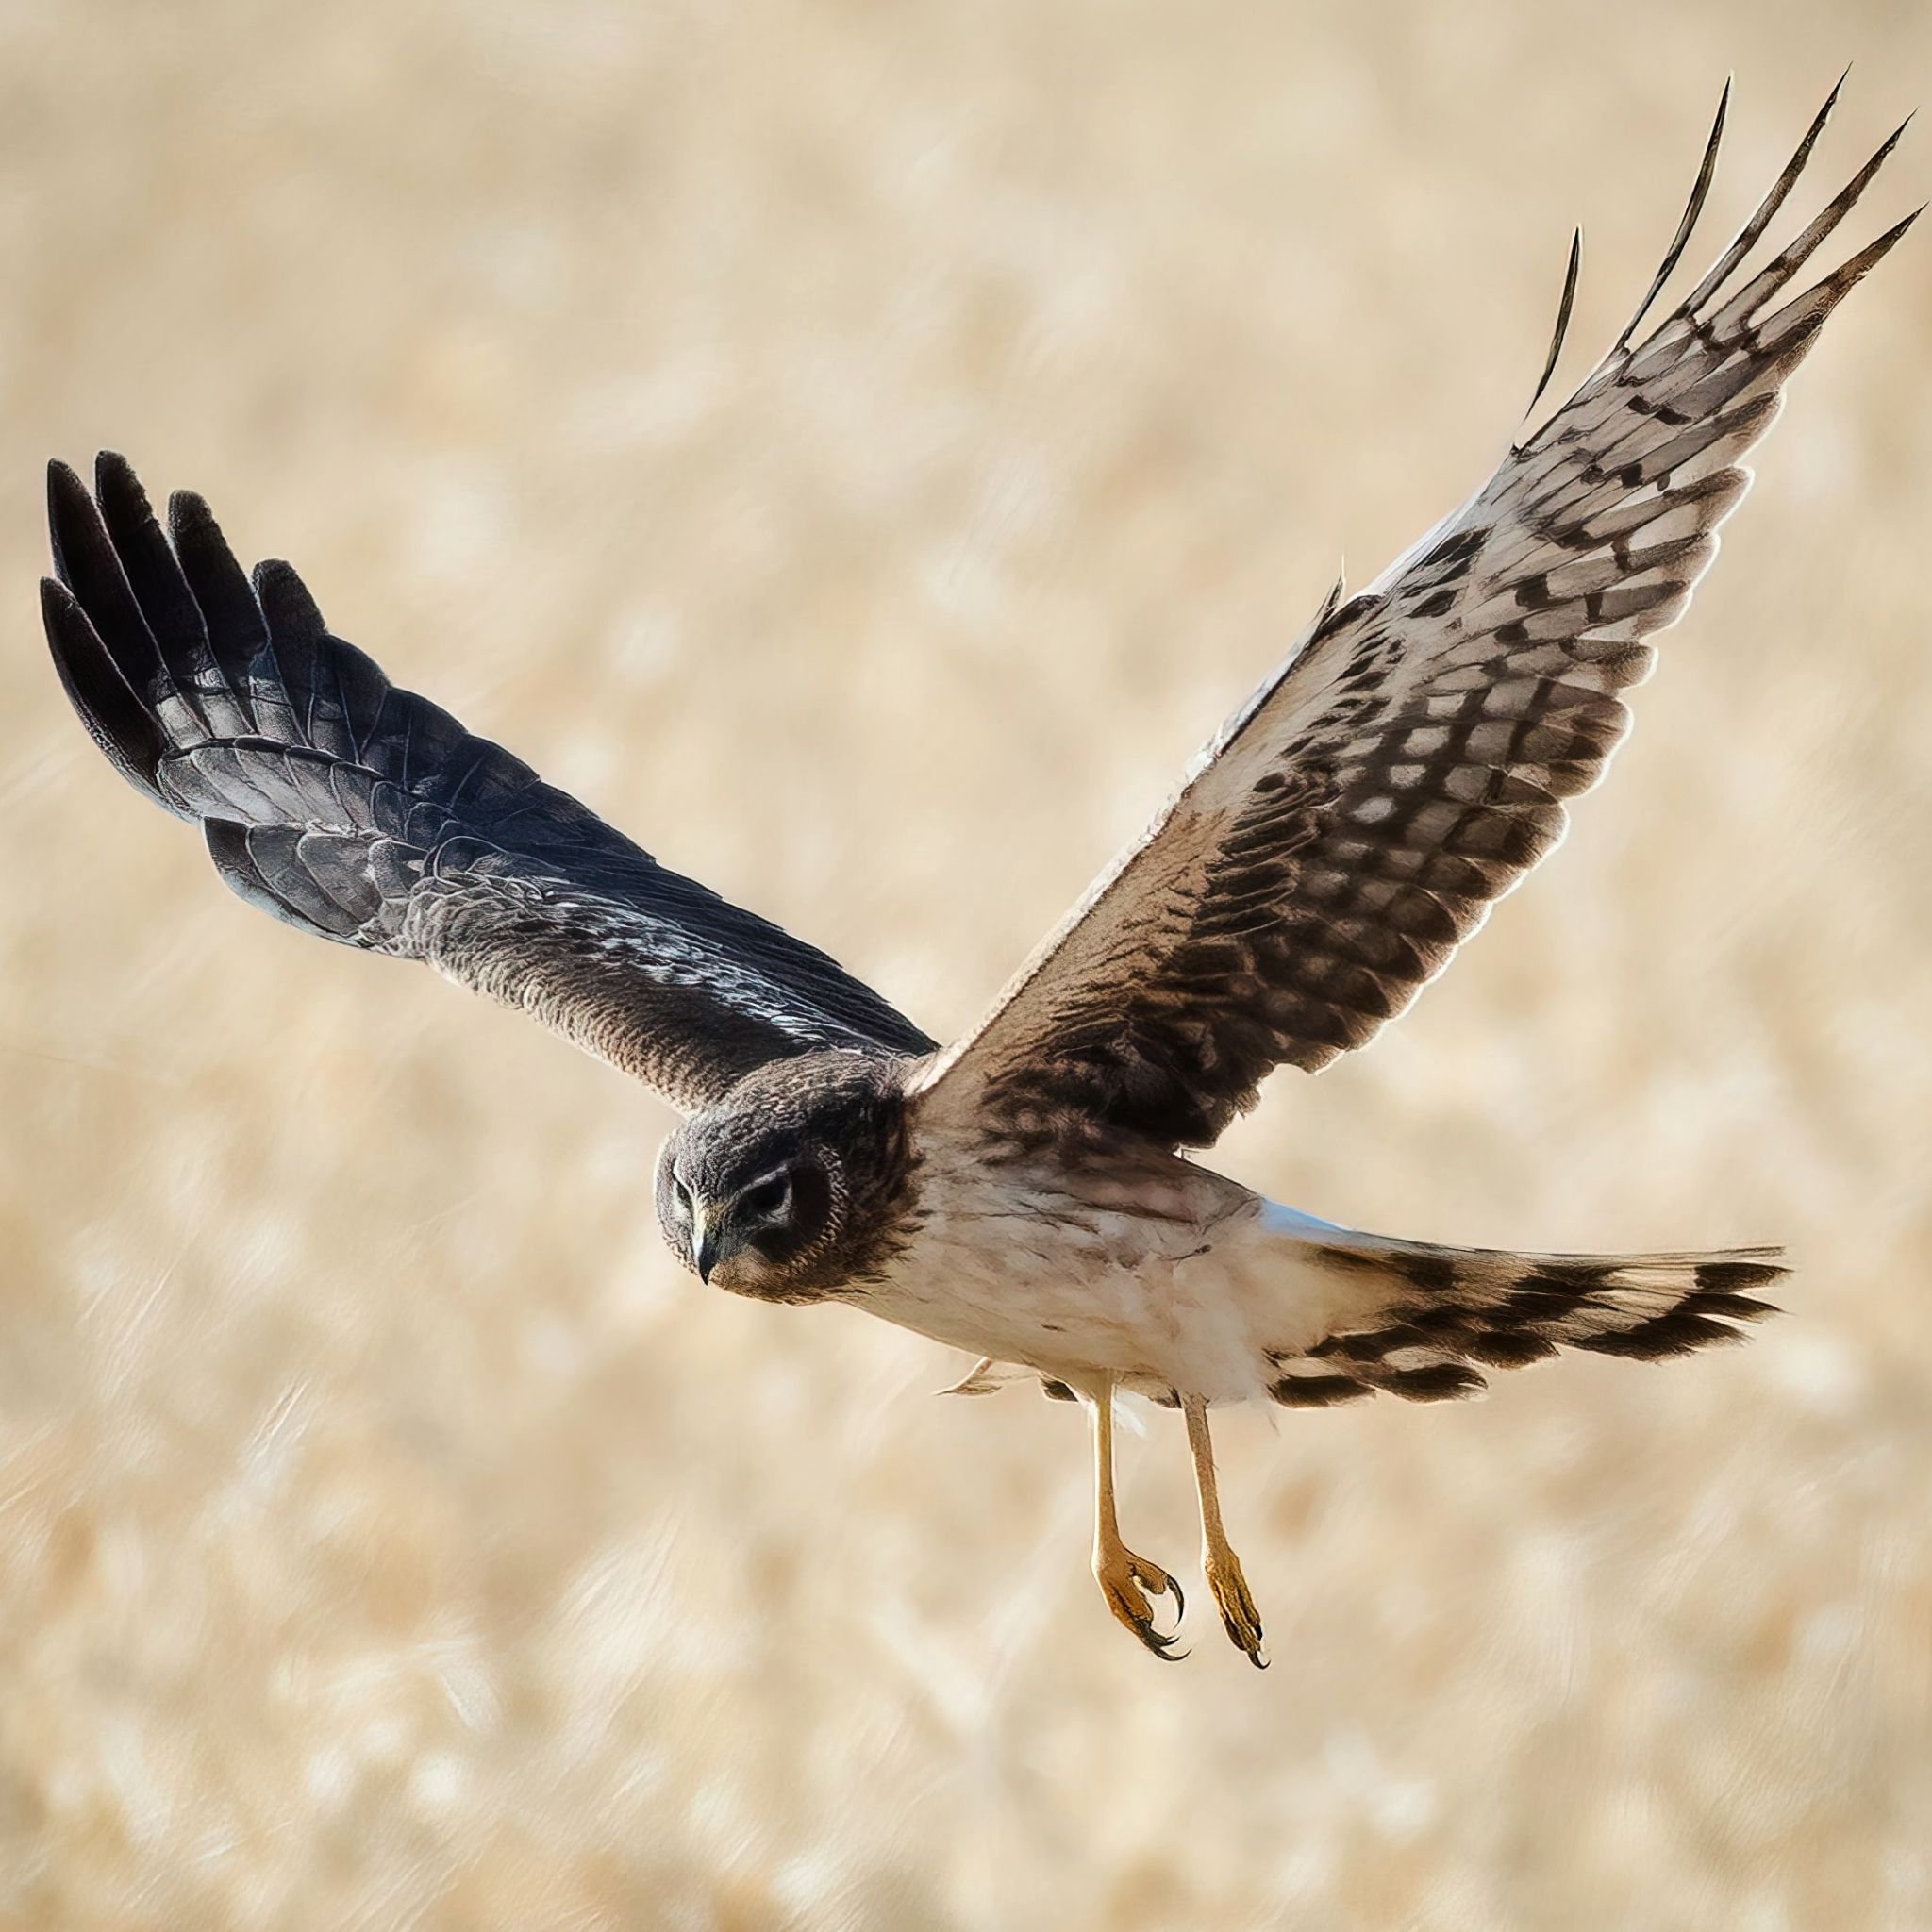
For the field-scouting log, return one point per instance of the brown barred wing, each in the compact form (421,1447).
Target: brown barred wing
(365,814)
(1413,757)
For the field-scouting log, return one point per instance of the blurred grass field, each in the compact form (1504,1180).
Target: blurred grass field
(863,450)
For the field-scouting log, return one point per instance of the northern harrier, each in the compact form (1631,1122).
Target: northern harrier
(1021,1193)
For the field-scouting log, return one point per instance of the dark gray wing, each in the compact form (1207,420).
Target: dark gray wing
(365,814)
(1411,760)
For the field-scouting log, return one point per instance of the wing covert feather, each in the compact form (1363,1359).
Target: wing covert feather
(1412,757)
(365,814)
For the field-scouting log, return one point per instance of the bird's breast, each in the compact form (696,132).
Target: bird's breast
(1059,1269)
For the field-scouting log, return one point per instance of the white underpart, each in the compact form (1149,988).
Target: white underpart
(1202,1299)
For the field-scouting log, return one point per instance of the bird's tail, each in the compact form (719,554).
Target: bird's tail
(1423,1321)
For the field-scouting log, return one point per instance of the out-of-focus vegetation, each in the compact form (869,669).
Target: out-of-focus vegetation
(863,450)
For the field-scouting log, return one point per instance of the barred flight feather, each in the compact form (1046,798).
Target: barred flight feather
(1413,757)
(365,814)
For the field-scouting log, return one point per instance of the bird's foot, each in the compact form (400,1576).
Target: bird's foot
(1236,1603)
(1126,1581)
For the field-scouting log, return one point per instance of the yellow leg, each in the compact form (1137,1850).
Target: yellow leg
(1219,1563)
(1124,1578)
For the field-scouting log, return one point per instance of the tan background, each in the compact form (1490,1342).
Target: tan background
(863,449)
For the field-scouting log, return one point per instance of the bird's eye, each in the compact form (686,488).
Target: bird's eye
(768,1198)
(680,1198)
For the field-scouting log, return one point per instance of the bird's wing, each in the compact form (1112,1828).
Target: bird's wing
(1409,764)
(365,814)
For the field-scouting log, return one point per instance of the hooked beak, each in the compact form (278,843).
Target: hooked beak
(704,1247)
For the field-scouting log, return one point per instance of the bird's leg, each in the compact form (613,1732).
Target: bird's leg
(1219,1563)
(1124,1578)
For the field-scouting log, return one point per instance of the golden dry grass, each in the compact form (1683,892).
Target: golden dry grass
(942,415)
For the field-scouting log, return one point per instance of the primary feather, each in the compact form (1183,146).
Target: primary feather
(365,814)
(1411,759)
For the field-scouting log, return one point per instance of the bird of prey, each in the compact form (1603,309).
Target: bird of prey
(1026,1193)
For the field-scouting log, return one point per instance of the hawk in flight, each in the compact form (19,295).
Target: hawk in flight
(1024,1193)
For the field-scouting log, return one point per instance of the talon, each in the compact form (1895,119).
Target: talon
(1129,1582)
(1181,1600)
(1151,1576)
(1162,1647)
(1238,1616)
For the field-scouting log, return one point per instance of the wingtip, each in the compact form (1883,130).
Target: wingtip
(192,524)
(206,554)
(72,519)
(117,720)
(1855,270)
(189,506)
(1566,307)
(117,490)
(112,469)
(1687,224)
(1850,193)
(286,601)
(56,600)
(70,636)
(64,483)
(1825,111)
(1897,232)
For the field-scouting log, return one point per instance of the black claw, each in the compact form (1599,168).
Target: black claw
(1153,1641)
(1238,1636)
(1142,1625)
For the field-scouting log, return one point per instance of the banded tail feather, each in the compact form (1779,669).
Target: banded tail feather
(1434,1318)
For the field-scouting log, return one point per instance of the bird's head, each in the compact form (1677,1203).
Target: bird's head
(786,1189)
